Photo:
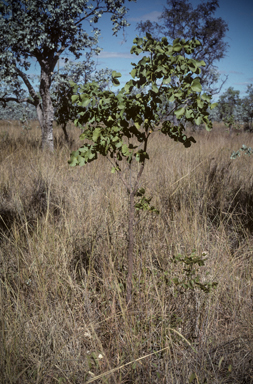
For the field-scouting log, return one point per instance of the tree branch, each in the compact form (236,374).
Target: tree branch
(217,90)
(90,14)
(5,100)
(29,86)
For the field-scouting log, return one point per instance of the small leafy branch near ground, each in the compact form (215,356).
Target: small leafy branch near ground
(191,279)
(120,126)
(244,149)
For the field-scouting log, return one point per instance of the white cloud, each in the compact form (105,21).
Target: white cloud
(121,55)
(236,73)
(241,83)
(152,16)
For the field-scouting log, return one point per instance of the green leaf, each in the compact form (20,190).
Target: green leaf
(200,103)
(193,65)
(116,74)
(115,82)
(166,80)
(180,112)
(196,86)
(133,73)
(154,88)
(125,149)
(138,40)
(114,169)
(72,84)
(140,192)
(129,86)
(119,145)
(176,41)
(202,63)
(189,114)
(85,101)
(136,50)
(205,97)
(74,98)
(214,105)
(96,134)
(198,121)
(177,48)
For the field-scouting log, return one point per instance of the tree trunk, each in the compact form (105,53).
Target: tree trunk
(39,115)
(130,250)
(230,130)
(47,111)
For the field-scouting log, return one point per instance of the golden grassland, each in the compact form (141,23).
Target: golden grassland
(63,242)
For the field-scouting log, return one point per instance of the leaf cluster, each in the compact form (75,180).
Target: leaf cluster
(244,149)
(180,20)
(144,202)
(191,279)
(119,125)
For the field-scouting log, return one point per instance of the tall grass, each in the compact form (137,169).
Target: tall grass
(63,265)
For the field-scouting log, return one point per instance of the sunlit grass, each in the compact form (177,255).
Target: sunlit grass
(63,265)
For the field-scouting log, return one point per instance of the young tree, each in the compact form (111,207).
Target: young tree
(120,126)
(180,20)
(42,30)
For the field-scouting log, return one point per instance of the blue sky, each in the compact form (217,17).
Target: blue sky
(238,63)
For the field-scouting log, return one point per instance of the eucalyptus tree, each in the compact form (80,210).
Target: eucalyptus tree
(180,20)
(42,31)
(120,126)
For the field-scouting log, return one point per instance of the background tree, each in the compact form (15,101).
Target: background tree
(180,20)
(13,110)
(43,30)
(247,106)
(229,107)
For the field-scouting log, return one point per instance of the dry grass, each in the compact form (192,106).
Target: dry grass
(63,266)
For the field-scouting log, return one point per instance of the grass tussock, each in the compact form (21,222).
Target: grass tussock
(63,241)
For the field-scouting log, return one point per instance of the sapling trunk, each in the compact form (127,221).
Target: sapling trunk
(130,250)
(64,128)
